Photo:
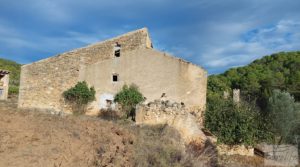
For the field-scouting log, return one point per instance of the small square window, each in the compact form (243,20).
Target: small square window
(117,50)
(117,53)
(115,78)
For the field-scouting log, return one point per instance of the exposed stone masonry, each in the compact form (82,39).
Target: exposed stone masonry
(42,82)
(175,115)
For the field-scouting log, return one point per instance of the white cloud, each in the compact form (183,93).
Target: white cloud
(283,36)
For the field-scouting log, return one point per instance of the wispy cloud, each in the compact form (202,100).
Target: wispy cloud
(213,34)
(283,36)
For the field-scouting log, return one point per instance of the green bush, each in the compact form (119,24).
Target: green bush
(79,96)
(235,124)
(13,90)
(128,98)
(285,116)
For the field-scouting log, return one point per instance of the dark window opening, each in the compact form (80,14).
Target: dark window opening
(117,49)
(108,103)
(117,53)
(115,78)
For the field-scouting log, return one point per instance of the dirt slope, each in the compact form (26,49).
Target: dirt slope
(39,139)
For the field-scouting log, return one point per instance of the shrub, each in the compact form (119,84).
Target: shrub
(285,116)
(13,90)
(235,124)
(128,98)
(79,96)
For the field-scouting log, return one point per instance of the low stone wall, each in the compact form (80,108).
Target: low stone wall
(235,150)
(173,114)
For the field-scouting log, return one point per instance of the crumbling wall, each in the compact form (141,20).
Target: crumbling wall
(173,114)
(42,83)
(4,84)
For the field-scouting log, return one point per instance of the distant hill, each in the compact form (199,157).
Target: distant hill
(15,70)
(259,78)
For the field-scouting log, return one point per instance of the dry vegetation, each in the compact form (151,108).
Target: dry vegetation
(31,138)
(34,138)
(39,139)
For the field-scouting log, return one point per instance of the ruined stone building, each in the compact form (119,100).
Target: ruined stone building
(4,81)
(108,65)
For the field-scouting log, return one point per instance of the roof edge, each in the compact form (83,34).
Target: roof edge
(144,29)
(180,59)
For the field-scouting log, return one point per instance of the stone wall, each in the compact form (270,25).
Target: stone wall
(42,82)
(235,150)
(4,84)
(174,114)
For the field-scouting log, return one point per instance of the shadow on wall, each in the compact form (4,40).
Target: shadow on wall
(110,114)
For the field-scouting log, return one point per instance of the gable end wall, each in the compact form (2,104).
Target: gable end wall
(42,83)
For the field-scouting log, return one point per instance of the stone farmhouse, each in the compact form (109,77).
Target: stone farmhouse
(4,80)
(108,65)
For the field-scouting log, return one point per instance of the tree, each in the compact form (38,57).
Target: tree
(285,116)
(232,124)
(128,98)
(79,96)
(259,78)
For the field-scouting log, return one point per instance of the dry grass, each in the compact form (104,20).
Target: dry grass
(41,139)
(34,138)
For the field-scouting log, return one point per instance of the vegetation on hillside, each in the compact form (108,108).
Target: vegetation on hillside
(258,79)
(15,70)
(257,82)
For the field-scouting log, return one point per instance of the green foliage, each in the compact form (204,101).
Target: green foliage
(15,70)
(256,81)
(235,124)
(129,97)
(259,78)
(13,90)
(285,116)
(80,95)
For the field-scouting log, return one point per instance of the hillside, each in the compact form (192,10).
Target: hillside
(14,69)
(259,78)
(41,139)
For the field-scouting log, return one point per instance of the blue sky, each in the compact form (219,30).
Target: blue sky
(215,34)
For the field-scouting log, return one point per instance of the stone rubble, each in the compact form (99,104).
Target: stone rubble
(174,114)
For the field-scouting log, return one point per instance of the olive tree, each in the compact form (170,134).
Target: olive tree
(285,116)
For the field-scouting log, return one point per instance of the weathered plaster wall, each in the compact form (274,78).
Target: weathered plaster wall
(43,82)
(154,73)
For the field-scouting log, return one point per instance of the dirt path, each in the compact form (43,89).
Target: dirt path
(39,139)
